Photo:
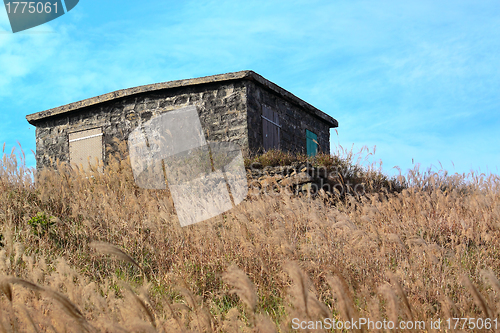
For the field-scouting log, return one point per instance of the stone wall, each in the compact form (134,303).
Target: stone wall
(296,179)
(294,121)
(222,111)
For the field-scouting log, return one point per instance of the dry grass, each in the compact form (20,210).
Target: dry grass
(346,169)
(100,255)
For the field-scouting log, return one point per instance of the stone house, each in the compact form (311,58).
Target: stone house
(240,107)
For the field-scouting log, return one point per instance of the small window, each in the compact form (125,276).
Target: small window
(85,148)
(270,128)
(311,143)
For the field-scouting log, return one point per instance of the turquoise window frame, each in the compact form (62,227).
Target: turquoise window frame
(311,143)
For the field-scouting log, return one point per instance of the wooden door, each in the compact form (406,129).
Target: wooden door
(270,128)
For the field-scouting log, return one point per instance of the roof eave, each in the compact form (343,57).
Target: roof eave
(35,118)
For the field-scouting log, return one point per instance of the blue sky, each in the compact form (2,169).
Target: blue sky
(417,79)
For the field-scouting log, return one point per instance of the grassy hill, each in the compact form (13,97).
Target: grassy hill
(94,253)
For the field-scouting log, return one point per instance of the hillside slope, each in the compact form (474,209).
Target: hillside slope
(99,254)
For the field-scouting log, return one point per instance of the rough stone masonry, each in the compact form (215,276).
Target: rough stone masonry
(241,107)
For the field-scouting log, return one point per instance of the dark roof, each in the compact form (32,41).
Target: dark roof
(242,75)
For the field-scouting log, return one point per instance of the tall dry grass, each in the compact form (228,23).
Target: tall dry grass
(94,253)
